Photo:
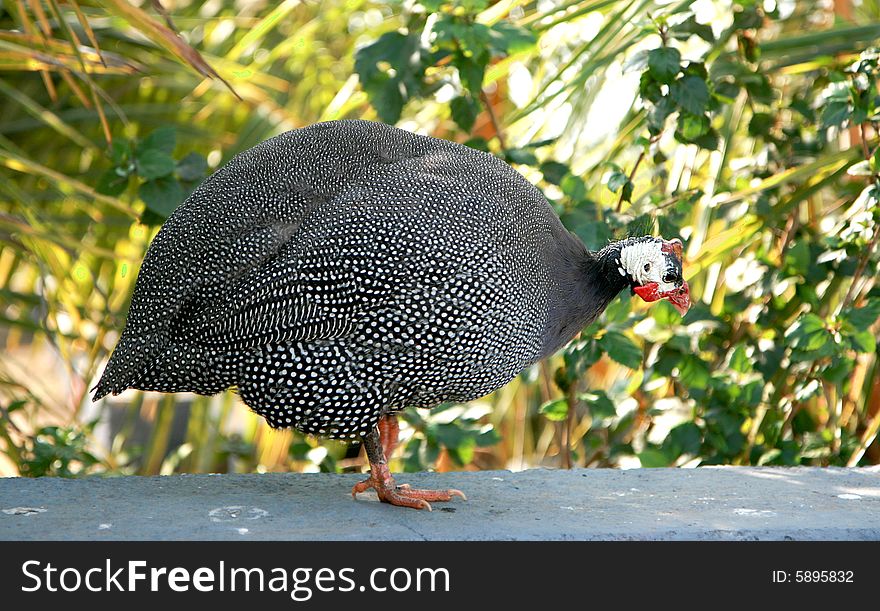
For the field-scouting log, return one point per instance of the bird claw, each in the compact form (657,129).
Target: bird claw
(403,495)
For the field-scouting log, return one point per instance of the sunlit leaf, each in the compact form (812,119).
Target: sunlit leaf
(621,348)
(664,63)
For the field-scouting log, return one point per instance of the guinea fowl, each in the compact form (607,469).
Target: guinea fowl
(338,273)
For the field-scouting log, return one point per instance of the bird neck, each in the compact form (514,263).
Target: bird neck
(600,277)
(585,283)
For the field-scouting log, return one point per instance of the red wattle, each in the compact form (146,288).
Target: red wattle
(648,292)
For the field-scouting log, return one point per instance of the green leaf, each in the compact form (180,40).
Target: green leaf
(298,450)
(739,360)
(797,259)
(693,372)
(193,167)
(463,453)
(690,27)
(659,113)
(761,124)
(472,71)
(464,111)
(726,91)
(473,6)
(616,180)
(574,187)
(665,314)
(112,183)
(875,160)
(477,143)
(120,152)
(836,114)
(618,310)
(582,220)
(686,438)
(161,195)
(860,340)
(747,19)
(154,163)
(653,458)
(468,37)
(627,192)
(808,333)
(488,437)
(386,98)
(769,456)
(162,139)
(864,317)
(803,107)
(509,39)
(696,69)
(599,403)
(708,141)
(390,71)
(555,410)
(621,348)
(16,405)
(691,93)
(692,126)
(759,88)
(649,88)
(523,156)
(554,171)
(838,371)
(664,63)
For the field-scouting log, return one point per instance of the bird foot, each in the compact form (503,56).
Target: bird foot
(403,495)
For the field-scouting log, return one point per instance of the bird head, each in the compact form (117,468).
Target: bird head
(653,267)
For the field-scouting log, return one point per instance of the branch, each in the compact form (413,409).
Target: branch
(632,174)
(494,119)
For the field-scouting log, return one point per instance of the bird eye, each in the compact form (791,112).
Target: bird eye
(647,267)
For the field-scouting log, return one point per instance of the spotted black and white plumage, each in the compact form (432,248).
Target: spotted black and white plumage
(342,271)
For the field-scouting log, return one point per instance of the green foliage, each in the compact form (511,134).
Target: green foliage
(555,410)
(664,64)
(389,84)
(453,428)
(56,451)
(621,349)
(394,69)
(164,182)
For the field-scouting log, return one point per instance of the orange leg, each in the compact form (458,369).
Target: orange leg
(389,428)
(379,443)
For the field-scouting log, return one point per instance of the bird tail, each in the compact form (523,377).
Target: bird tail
(129,360)
(167,367)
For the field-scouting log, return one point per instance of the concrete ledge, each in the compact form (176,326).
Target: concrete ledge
(704,504)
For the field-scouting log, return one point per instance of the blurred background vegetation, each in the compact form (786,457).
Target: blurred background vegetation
(747,128)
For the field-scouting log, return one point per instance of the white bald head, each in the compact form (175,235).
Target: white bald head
(647,261)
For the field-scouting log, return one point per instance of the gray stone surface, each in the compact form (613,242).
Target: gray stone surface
(703,504)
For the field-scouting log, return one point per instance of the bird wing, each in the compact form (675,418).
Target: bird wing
(307,292)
